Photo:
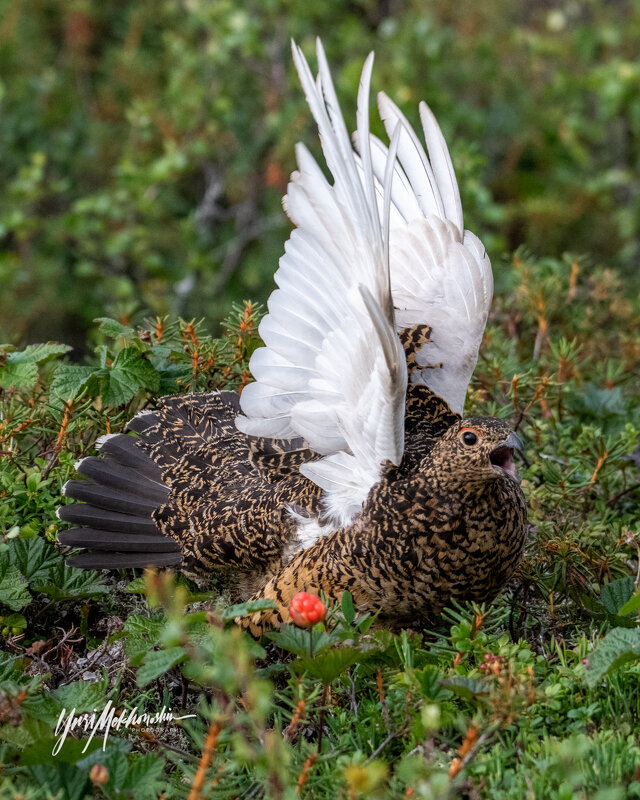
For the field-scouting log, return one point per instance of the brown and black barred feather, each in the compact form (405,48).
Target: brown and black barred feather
(191,491)
(418,506)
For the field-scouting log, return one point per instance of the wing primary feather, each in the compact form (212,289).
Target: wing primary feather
(413,158)
(337,125)
(386,234)
(442,167)
(362,117)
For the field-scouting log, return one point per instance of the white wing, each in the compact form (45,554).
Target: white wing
(333,370)
(440,273)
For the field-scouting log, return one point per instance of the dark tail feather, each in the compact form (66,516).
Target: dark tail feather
(97,560)
(129,485)
(124,542)
(118,501)
(122,449)
(110,474)
(110,499)
(84,514)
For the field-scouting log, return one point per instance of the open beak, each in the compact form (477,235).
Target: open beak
(502,456)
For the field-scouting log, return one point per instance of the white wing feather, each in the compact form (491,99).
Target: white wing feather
(333,369)
(440,273)
(387,234)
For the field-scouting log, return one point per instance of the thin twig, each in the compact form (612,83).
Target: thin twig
(205,760)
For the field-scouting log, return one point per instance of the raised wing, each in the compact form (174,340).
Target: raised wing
(440,273)
(333,369)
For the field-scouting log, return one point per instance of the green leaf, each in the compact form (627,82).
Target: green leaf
(39,353)
(632,604)
(327,666)
(137,625)
(18,375)
(244,609)
(13,588)
(45,708)
(68,583)
(430,681)
(130,373)
(159,661)
(117,766)
(61,780)
(82,695)
(618,647)
(143,633)
(468,689)
(17,736)
(348,610)
(146,775)
(68,381)
(171,377)
(34,557)
(296,640)
(615,594)
(113,328)
(15,621)
(21,367)
(137,585)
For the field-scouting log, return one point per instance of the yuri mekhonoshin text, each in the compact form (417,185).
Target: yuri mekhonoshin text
(107,720)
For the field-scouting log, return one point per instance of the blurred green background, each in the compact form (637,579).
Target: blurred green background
(145,146)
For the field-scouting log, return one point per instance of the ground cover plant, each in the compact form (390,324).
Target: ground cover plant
(145,145)
(536,696)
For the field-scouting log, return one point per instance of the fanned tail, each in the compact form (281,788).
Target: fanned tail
(130,482)
(116,505)
(188,490)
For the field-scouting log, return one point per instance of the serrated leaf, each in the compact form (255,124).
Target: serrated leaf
(44,707)
(81,695)
(68,381)
(158,662)
(172,377)
(136,647)
(62,780)
(618,647)
(430,680)
(13,588)
(18,375)
(244,609)
(146,775)
(39,353)
(137,585)
(68,583)
(17,736)
(21,367)
(137,625)
(296,640)
(130,373)
(143,633)
(328,666)
(615,594)
(34,557)
(113,328)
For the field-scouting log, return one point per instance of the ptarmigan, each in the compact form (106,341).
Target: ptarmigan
(346,464)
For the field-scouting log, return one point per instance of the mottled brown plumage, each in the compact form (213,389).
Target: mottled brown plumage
(345,464)
(446,523)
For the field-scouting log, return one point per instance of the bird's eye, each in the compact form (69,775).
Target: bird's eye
(469,438)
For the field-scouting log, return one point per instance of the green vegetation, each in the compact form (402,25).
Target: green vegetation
(536,696)
(147,144)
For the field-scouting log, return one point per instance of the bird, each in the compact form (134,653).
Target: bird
(347,464)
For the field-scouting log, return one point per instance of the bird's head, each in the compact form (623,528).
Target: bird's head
(479,448)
